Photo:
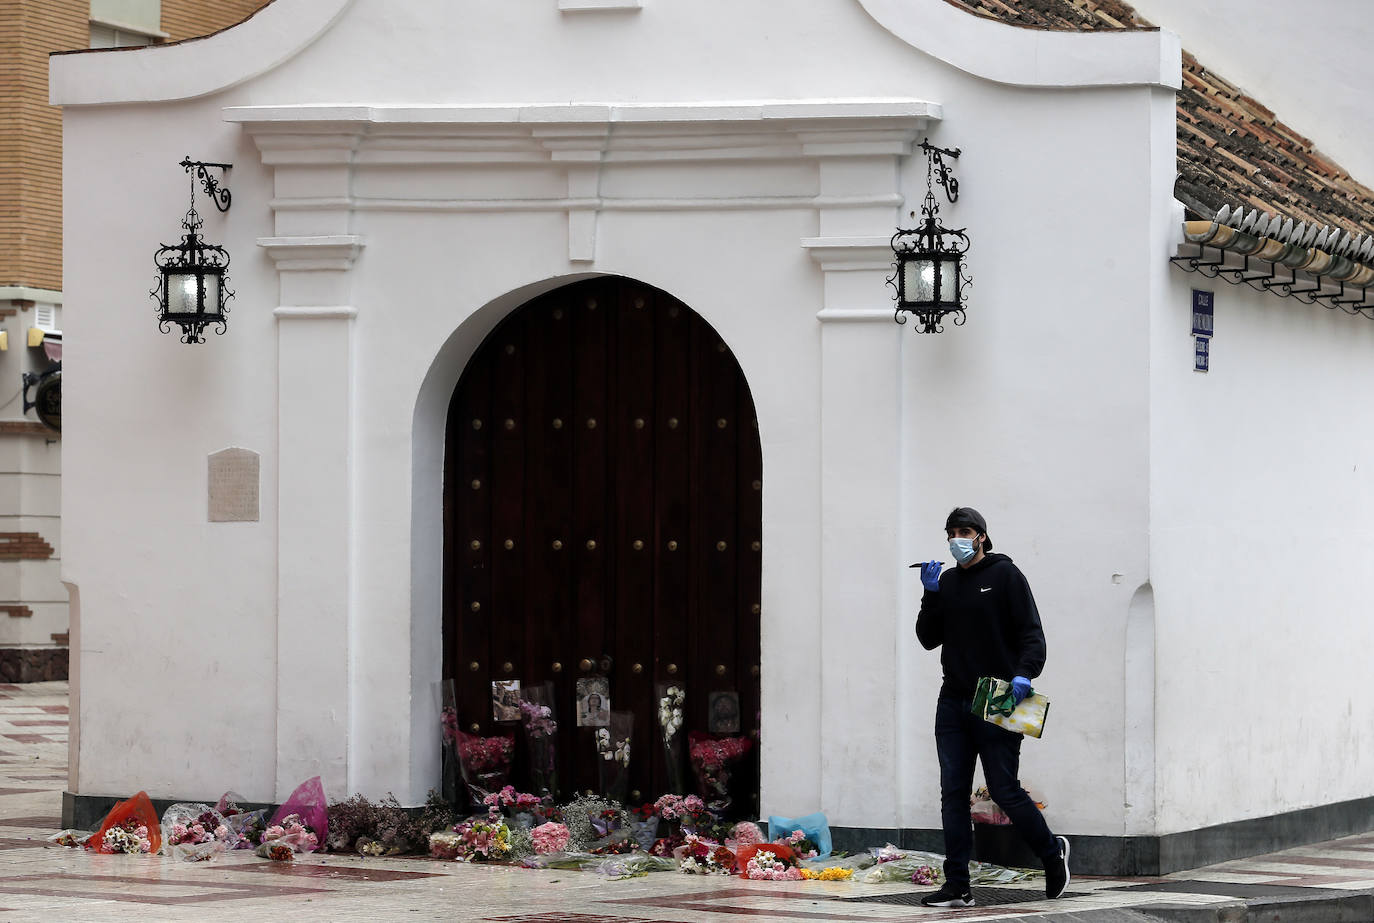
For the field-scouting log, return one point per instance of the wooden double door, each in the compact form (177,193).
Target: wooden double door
(603,518)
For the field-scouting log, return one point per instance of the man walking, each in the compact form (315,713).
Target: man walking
(983,615)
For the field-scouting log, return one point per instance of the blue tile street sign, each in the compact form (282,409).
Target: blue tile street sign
(1201,353)
(1202,313)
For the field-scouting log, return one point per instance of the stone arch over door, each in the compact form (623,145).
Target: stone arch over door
(603,517)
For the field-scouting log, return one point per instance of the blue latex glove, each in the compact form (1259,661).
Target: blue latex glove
(930,575)
(1020,688)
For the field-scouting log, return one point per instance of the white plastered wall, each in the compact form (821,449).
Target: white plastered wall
(1036,411)
(1261,498)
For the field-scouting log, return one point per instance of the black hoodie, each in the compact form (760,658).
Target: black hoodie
(985,617)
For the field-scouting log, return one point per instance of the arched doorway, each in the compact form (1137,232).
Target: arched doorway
(602,492)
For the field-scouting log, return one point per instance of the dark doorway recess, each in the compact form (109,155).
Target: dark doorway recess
(603,514)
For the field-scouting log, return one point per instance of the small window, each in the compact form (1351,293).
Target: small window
(108,36)
(45,317)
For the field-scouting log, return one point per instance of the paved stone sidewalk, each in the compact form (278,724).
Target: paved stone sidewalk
(43,882)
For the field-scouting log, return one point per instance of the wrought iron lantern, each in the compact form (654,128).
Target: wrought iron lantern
(929,275)
(192,291)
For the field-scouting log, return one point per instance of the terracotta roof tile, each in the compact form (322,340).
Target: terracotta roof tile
(1232,149)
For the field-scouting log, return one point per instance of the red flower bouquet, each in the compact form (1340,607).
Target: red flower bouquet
(131,826)
(713,759)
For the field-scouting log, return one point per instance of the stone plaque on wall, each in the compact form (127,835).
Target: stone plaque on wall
(234,485)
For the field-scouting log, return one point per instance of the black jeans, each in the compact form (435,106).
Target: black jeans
(960,738)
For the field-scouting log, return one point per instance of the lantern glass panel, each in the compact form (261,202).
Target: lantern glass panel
(211,281)
(182,290)
(949,278)
(918,281)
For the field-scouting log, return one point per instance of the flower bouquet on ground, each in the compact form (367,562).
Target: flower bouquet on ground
(671,699)
(889,863)
(690,812)
(702,857)
(523,809)
(291,833)
(302,822)
(130,827)
(195,833)
(246,826)
(713,760)
(800,844)
(549,837)
(768,862)
(70,839)
(613,754)
(472,841)
(984,810)
(645,823)
(541,733)
(809,834)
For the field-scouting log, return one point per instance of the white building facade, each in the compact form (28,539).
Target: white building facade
(406,175)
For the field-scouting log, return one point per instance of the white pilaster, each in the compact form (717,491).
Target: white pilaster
(316,426)
(860,500)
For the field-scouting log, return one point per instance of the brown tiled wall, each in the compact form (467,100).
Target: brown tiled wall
(183,19)
(23,546)
(31,144)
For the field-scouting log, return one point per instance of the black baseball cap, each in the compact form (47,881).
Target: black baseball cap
(966,516)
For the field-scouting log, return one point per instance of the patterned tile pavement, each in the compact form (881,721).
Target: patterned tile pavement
(39,881)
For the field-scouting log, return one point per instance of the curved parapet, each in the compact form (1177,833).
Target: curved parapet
(193,68)
(1032,57)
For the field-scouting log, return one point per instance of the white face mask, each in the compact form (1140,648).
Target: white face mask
(962,549)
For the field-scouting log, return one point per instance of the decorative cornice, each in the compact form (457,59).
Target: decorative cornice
(335,251)
(602,6)
(316,312)
(850,253)
(587,133)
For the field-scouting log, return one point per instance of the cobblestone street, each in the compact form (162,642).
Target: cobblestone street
(40,881)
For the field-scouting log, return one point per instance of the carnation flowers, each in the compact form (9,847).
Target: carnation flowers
(129,837)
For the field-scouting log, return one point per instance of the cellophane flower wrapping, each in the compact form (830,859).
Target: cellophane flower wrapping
(713,760)
(890,863)
(984,810)
(70,839)
(484,762)
(698,856)
(246,825)
(479,840)
(613,754)
(195,832)
(540,722)
(672,698)
(310,808)
(293,833)
(128,818)
(815,829)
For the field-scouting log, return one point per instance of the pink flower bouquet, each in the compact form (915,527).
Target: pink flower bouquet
(195,832)
(306,807)
(549,838)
